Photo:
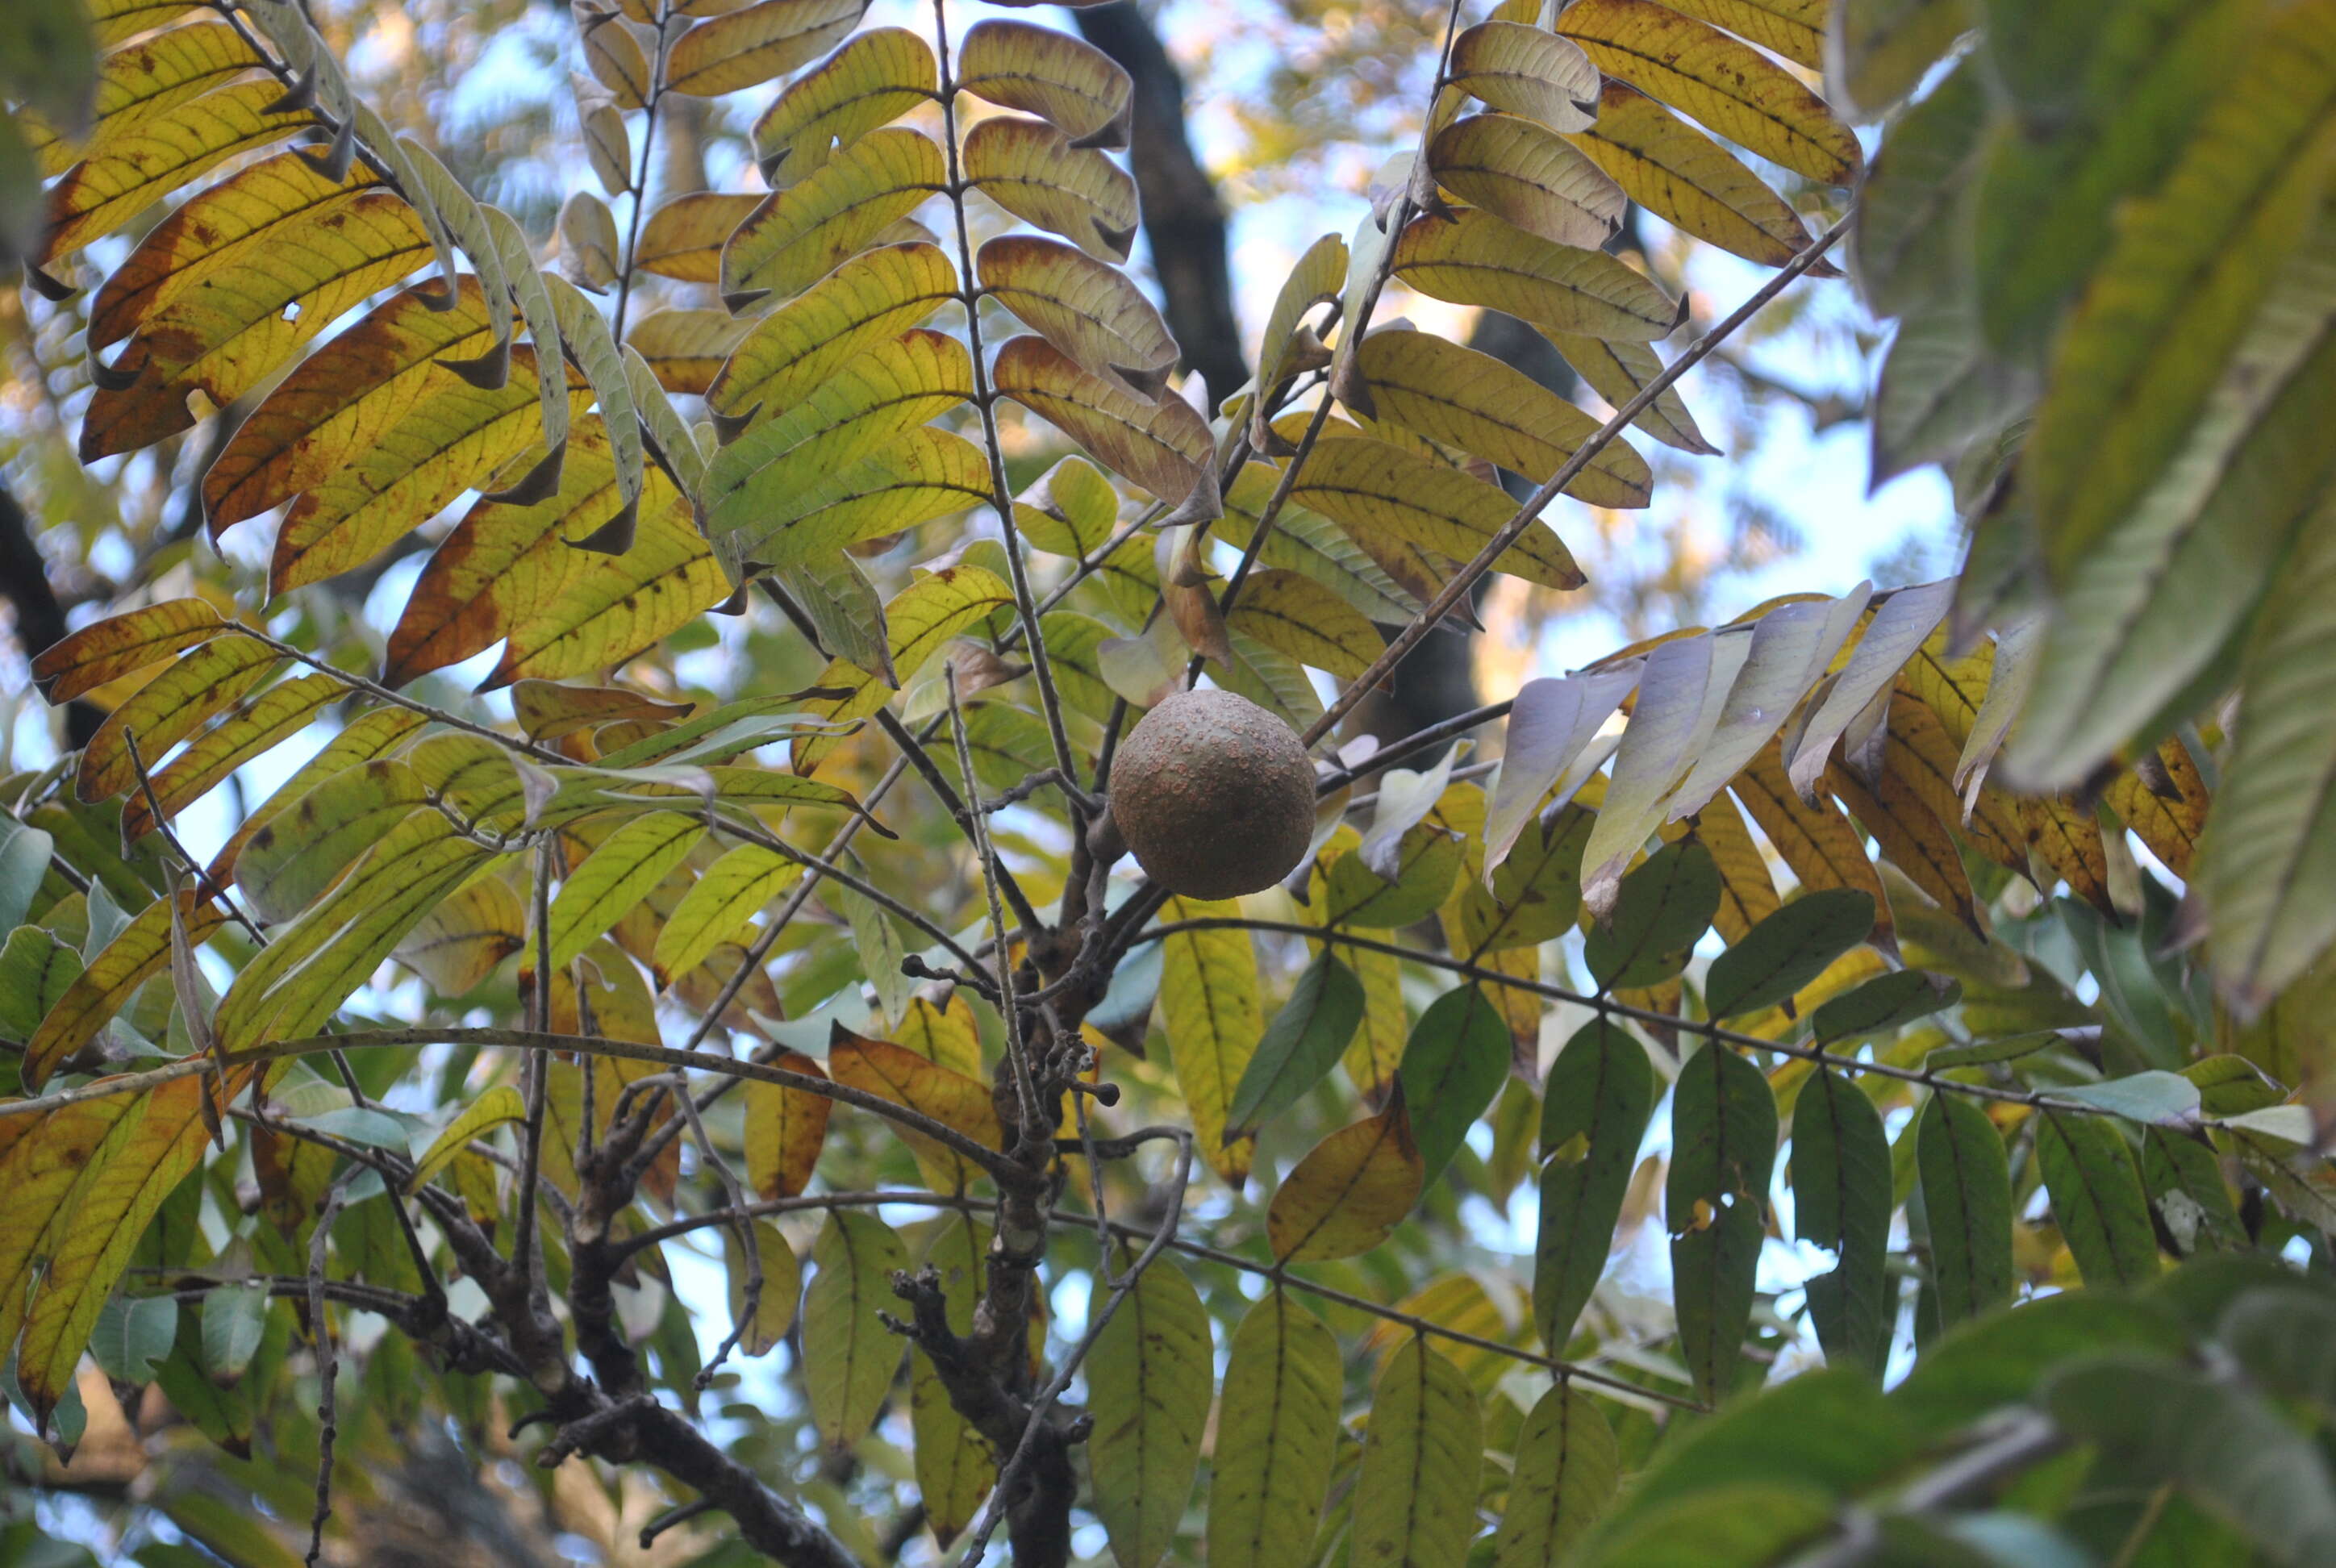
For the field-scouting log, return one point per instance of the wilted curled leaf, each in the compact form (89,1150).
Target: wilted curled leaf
(1088,308)
(1527,71)
(1074,86)
(1528,175)
(1031,170)
(1163,446)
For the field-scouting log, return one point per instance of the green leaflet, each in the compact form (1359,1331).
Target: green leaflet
(615,876)
(1148,1384)
(1277,1434)
(2191,263)
(2097,1198)
(1416,1501)
(1567,1472)
(2187,1192)
(2224,1443)
(1885,1003)
(1842,1202)
(1662,912)
(1453,1065)
(1299,1047)
(1787,951)
(2046,197)
(1594,1113)
(849,1356)
(1723,1124)
(1966,1187)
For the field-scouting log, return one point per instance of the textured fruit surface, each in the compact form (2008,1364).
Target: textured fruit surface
(1214,795)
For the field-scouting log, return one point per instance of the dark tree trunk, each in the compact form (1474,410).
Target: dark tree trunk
(1182,223)
(40,619)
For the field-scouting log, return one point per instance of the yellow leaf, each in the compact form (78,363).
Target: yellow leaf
(141,166)
(1688,180)
(1820,845)
(1527,71)
(498,1106)
(886,390)
(1369,487)
(797,236)
(1528,174)
(445,444)
(1350,1193)
(167,709)
(945,1035)
(98,1222)
(341,399)
(686,348)
(869,301)
(255,725)
(1415,1493)
(1318,279)
(1792,28)
(1210,1011)
(47,1157)
(1031,170)
(749,46)
(1729,86)
(1476,258)
(953,1464)
(368,736)
(1912,837)
(309,968)
(850,1356)
(252,309)
(719,903)
(905,1078)
(916,476)
(290,864)
(1470,400)
(1073,85)
(1277,1436)
(138,83)
(683,238)
(785,1130)
(120,645)
(1307,621)
(874,79)
(133,957)
(465,939)
(615,876)
(1085,307)
(780,1289)
(1618,371)
(1163,446)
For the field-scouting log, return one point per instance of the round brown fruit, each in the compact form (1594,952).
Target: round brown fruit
(1214,795)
